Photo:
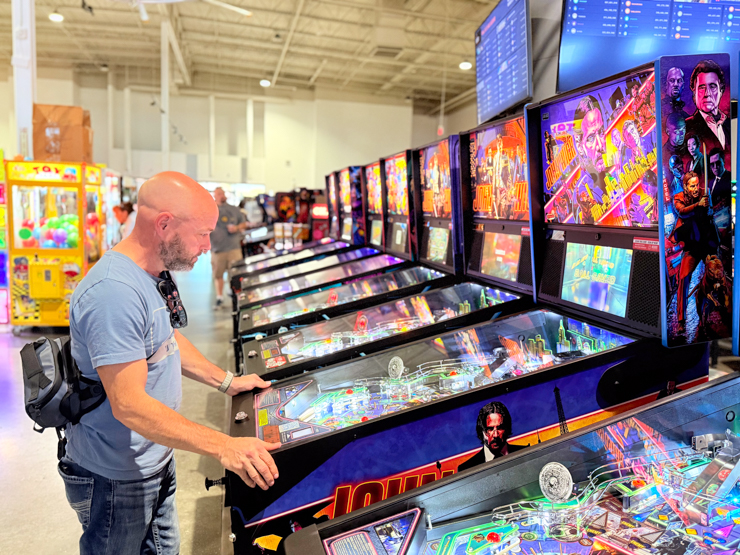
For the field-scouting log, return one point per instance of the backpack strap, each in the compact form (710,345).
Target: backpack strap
(32,369)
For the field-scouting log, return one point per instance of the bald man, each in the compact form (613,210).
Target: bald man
(119,470)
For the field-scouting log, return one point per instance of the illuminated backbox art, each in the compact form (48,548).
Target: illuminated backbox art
(396,183)
(333,204)
(498,171)
(345,194)
(599,155)
(501,255)
(597,277)
(374,189)
(697,194)
(436,186)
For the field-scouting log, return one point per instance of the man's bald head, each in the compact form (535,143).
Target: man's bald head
(174,192)
(175,218)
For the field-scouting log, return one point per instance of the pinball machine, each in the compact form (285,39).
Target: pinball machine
(358,432)
(436,191)
(661,479)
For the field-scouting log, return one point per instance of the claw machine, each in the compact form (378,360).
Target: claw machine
(56,229)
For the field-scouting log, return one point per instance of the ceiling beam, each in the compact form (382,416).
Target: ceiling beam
(289,38)
(316,73)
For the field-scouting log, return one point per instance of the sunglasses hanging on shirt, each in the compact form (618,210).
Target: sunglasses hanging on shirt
(168,290)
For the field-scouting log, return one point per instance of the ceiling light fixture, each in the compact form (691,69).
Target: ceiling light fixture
(56,17)
(465,65)
(265,83)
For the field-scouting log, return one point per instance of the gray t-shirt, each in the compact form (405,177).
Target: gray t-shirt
(221,239)
(117,315)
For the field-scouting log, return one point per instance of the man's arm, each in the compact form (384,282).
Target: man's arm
(196,367)
(125,387)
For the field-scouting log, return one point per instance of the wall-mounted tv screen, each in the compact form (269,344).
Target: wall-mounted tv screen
(597,277)
(376,233)
(500,257)
(439,238)
(498,171)
(396,184)
(599,155)
(373,188)
(436,186)
(503,59)
(600,38)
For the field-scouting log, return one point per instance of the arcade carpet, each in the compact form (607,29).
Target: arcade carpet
(35,516)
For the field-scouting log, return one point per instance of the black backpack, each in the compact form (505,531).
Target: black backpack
(56,393)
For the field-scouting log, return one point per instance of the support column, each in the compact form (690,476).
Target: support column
(24,71)
(165,91)
(127,129)
(250,138)
(211,136)
(111,99)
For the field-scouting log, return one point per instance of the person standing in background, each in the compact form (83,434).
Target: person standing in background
(226,241)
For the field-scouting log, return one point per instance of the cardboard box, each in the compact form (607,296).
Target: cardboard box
(62,133)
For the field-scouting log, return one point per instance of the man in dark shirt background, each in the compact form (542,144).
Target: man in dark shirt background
(226,241)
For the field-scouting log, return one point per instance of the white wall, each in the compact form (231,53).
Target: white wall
(296,143)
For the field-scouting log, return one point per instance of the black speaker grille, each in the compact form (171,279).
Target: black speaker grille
(476,252)
(552,269)
(644,301)
(524,275)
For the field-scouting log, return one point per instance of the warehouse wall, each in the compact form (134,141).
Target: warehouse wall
(296,141)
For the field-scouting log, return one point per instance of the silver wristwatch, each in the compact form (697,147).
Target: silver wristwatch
(224,387)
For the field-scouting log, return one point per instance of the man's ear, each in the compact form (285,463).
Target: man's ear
(162,222)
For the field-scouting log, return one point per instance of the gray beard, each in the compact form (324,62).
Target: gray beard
(174,257)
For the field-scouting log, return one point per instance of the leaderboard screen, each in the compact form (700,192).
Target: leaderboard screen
(639,31)
(502,59)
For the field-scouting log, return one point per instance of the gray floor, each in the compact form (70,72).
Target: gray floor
(34,514)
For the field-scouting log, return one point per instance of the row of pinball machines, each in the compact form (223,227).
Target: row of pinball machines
(525,280)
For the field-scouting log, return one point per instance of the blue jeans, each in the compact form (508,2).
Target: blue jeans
(123,517)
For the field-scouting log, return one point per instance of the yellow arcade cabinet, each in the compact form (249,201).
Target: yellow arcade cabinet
(56,229)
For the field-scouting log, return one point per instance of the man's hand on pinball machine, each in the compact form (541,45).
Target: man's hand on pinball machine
(241,384)
(249,458)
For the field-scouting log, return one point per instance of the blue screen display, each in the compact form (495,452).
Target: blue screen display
(502,59)
(604,37)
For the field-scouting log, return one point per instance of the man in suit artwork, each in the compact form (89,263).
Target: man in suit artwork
(708,121)
(720,180)
(493,428)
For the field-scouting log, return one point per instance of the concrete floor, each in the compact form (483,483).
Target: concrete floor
(34,514)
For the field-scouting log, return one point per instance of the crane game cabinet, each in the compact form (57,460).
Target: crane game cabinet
(661,479)
(397,255)
(56,230)
(366,430)
(379,326)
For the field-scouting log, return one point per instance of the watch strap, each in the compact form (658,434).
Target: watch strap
(224,387)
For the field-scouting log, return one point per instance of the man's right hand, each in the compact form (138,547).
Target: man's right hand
(249,458)
(704,201)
